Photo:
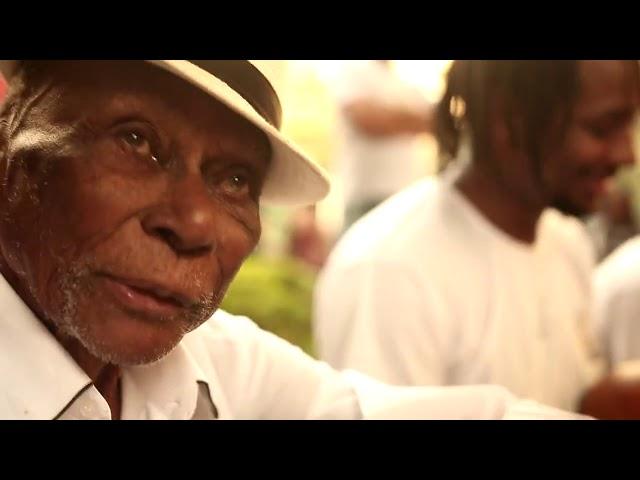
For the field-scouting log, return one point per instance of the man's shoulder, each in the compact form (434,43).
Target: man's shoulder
(228,334)
(223,334)
(415,221)
(565,228)
(223,325)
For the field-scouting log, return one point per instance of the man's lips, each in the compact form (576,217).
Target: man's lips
(147,296)
(600,184)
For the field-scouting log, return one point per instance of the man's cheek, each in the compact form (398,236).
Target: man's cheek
(95,208)
(235,251)
(25,232)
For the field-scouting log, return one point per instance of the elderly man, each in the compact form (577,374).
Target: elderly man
(130,197)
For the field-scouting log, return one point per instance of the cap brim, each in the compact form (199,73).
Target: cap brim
(293,179)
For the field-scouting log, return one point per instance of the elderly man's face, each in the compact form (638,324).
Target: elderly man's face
(129,201)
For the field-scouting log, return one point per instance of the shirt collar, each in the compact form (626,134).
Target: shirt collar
(40,380)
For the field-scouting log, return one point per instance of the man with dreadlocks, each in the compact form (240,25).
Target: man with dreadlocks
(481,275)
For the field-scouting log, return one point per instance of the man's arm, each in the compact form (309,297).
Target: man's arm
(378,120)
(264,377)
(392,327)
(469,402)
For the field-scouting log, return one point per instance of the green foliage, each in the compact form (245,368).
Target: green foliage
(276,293)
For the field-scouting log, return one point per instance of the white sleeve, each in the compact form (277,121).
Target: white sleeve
(264,377)
(380,319)
(470,402)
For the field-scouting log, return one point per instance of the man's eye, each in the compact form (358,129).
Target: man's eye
(236,184)
(137,142)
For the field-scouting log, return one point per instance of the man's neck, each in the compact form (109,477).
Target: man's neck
(499,205)
(105,376)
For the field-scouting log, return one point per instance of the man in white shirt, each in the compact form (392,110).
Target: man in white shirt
(471,277)
(130,196)
(379,119)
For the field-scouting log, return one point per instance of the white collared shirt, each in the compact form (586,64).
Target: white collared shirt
(226,369)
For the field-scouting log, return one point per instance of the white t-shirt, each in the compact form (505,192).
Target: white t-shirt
(425,291)
(226,369)
(617,303)
(373,168)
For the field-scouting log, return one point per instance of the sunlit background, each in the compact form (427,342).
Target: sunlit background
(305,88)
(275,286)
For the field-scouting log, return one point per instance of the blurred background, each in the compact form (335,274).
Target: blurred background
(275,286)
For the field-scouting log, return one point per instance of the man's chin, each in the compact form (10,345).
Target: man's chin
(115,333)
(129,355)
(125,341)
